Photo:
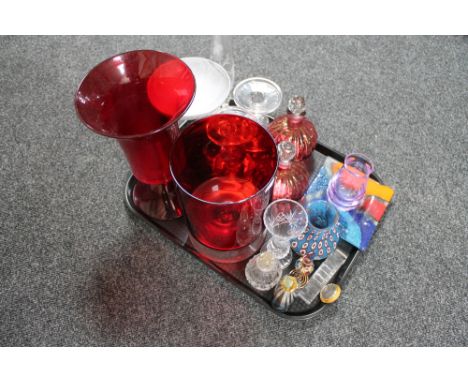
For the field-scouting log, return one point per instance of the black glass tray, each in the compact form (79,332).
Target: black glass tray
(177,231)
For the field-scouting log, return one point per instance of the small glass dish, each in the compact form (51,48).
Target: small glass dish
(213,87)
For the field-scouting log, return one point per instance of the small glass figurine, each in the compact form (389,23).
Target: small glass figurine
(292,177)
(284,219)
(296,128)
(322,234)
(302,269)
(347,188)
(284,293)
(259,96)
(263,271)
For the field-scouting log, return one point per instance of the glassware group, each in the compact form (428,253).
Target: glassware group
(227,167)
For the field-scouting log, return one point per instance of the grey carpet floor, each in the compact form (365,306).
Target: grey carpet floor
(76,269)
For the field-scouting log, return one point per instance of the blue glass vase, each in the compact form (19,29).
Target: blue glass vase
(322,233)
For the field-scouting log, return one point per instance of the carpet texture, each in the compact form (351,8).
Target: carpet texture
(76,269)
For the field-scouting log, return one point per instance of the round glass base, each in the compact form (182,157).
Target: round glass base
(263,279)
(159,201)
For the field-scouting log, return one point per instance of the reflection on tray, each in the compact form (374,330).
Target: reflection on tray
(177,232)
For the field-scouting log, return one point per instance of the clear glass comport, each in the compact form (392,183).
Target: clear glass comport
(263,271)
(296,128)
(284,219)
(292,178)
(259,96)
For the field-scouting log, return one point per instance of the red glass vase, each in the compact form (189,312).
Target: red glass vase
(295,128)
(137,98)
(224,166)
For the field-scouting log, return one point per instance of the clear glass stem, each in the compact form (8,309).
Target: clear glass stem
(221,52)
(280,248)
(262,119)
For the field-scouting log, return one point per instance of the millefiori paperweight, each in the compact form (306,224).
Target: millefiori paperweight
(322,234)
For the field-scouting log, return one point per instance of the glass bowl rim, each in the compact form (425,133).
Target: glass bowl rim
(168,124)
(336,219)
(259,192)
(263,79)
(295,202)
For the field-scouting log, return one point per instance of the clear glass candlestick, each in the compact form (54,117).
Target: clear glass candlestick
(284,219)
(259,96)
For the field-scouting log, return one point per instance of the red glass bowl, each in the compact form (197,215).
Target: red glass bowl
(137,98)
(224,167)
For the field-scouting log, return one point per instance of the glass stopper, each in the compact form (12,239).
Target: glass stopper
(296,105)
(286,152)
(266,262)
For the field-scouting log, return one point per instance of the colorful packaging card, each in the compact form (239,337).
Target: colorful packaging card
(358,225)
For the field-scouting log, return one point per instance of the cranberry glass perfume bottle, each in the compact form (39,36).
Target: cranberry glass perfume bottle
(292,178)
(296,128)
